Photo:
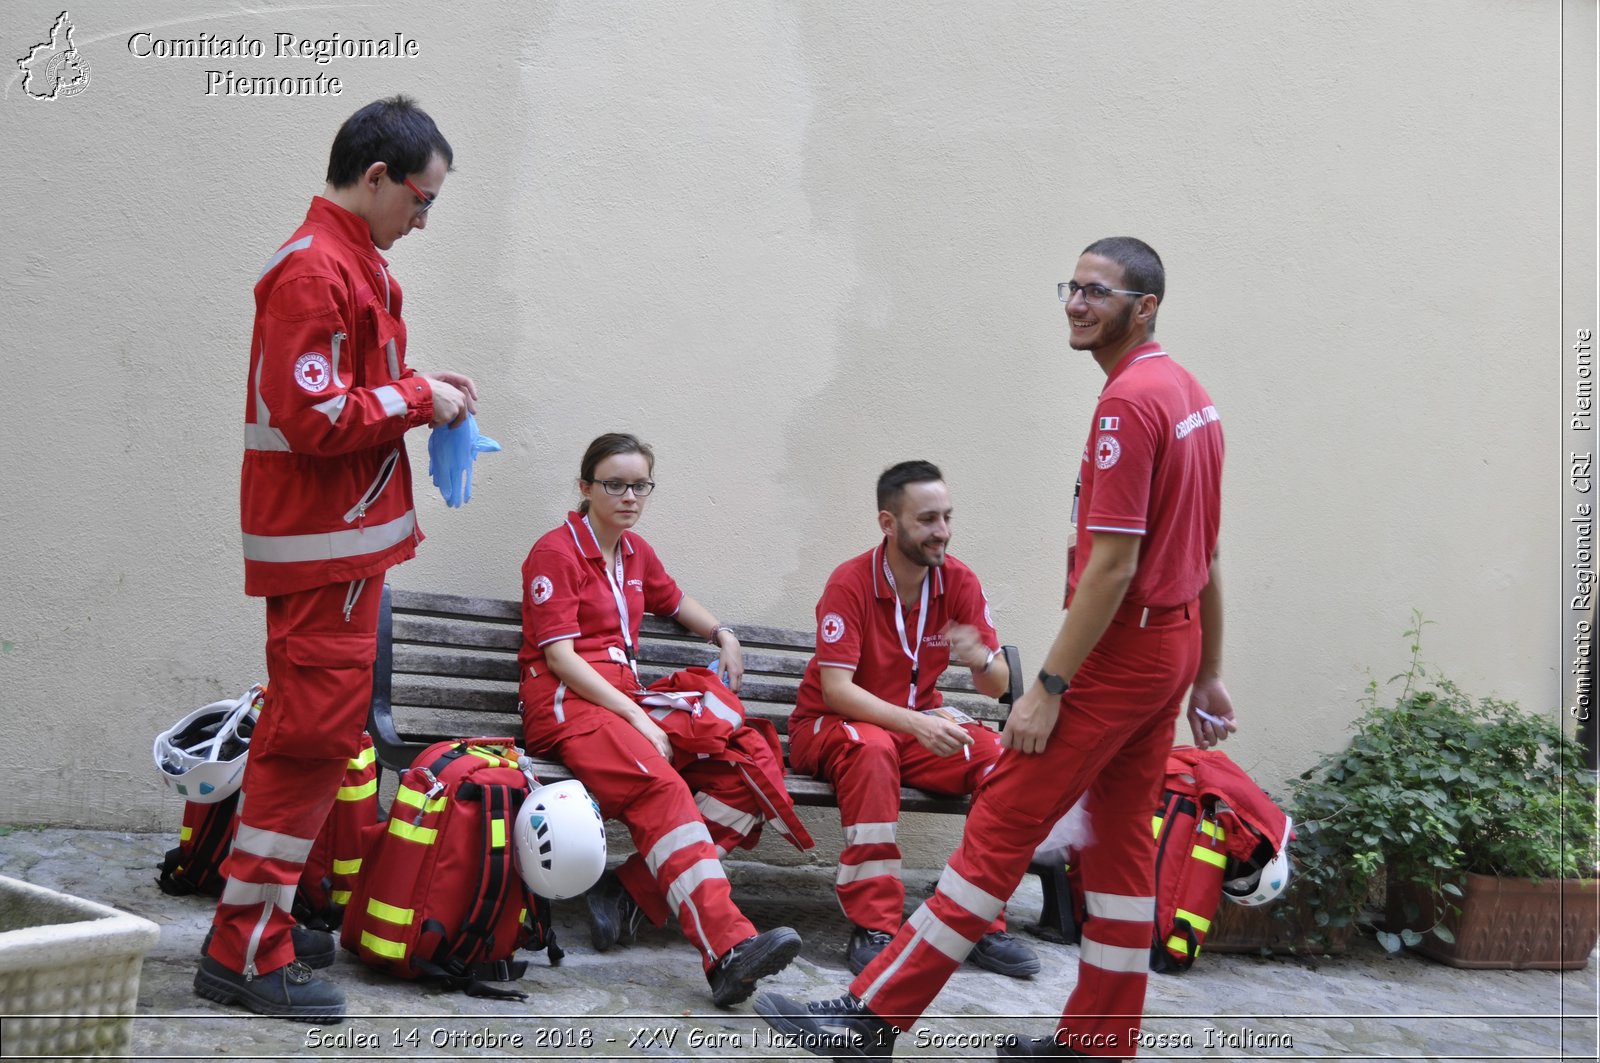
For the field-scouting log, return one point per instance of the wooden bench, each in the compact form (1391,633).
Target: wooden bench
(447,668)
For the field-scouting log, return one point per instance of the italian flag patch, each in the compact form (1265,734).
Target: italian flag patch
(1110,424)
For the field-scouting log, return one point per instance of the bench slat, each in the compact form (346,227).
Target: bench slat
(442,631)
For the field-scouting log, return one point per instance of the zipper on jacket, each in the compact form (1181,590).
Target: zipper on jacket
(338,339)
(358,512)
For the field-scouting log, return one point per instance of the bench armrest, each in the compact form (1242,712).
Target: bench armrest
(1015,687)
(393,753)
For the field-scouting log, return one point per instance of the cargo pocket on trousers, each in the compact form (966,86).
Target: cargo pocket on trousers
(319,709)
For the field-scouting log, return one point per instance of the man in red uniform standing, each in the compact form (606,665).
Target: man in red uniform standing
(1144,623)
(868,716)
(325,503)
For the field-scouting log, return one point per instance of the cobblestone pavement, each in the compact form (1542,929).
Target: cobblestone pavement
(650,1001)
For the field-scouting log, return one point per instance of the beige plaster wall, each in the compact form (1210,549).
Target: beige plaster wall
(791,243)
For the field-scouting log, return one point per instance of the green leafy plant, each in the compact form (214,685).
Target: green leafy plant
(1436,785)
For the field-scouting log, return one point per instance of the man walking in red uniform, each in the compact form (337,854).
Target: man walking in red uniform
(868,716)
(325,503)
(1144,622)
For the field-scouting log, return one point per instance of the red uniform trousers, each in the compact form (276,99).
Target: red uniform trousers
(866,765)
(319,689)
(677,868)
(1110,741)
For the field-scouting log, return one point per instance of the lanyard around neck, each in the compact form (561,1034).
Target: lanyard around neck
(616,577)
(900,625)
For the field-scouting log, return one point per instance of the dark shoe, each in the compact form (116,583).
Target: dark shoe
(733,978)
(1003,954)
(1014,1047)
(841,1028)
(314,948)
(864,947)
(290,992)
(613,914)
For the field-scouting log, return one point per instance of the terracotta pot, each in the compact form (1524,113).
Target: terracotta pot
(1237,929)
(1504,923)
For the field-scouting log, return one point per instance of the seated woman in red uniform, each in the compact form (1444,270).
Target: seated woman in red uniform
(585,587)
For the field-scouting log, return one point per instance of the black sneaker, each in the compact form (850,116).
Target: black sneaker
(613,914)
(290,992)
(864,947)
(733,977)
(1003,954)
(314,948)
(841,1028)
(1014,1047)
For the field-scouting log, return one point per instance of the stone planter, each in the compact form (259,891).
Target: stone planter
(69,972)
(1504,923)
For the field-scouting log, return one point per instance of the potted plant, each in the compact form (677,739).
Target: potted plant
(1470,811)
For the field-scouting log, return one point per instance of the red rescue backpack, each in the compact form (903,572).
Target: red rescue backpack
(195,865)
(1210,813)
(438,895)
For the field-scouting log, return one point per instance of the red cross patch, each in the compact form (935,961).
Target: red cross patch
(312,372)
(1106,452)
(832,627)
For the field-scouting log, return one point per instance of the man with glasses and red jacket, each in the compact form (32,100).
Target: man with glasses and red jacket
(1143,625)
(326,507)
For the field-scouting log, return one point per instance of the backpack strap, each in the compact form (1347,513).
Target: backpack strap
(494,891)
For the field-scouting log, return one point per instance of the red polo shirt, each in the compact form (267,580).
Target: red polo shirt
(567,593)
(856,629)
(1153,467)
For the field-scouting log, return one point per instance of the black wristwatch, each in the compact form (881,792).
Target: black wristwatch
(1053,683)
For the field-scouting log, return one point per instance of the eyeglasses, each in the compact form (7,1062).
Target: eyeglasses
(427,201)
(640,488)
(1093,294)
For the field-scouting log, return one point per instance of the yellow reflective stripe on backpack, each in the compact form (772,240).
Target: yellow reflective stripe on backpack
(1155,826)
(1210,827)
(1181,945)
(341,897)
(1210,856)
(389,913)
(497,834)
(391,950)
(487,753)
(1201,925)
(364,759)
(418,800)
(346,867)
(421,835)
(357,793)
(185,833)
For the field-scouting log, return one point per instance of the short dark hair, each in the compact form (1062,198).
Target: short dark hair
(607,446)
(892,484)
(1142,270)
(394,131)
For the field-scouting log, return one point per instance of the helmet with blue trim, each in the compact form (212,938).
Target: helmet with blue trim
(201,757)
(560,840)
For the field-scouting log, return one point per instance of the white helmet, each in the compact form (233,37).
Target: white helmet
(1258,886)
(201,757)
(561,840)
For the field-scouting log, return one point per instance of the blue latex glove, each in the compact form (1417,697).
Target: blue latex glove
(451,453)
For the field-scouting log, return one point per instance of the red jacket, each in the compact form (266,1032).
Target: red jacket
(325,492)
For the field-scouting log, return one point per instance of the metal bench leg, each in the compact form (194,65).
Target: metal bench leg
(1056,921)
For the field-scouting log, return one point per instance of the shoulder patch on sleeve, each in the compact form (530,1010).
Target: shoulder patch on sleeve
(1106,451)
(832,629)
(540,589)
